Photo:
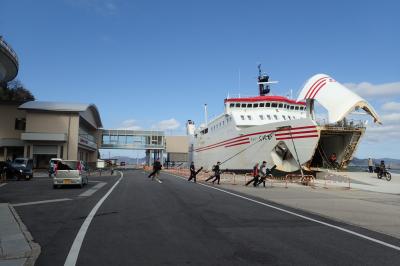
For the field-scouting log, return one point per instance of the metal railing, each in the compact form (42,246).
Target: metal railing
(8,48)
(342,124)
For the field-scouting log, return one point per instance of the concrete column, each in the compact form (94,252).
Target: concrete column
(26,150)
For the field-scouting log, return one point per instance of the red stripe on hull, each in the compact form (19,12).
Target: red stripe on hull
(236,144)
(298,137)
(296,133)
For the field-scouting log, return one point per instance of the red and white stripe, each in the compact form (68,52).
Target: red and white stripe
(315,87)
(294,133)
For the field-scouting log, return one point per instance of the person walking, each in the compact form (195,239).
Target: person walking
(265,172)
(156,169)
(370,165)
(193,172)
(216,175)
(256,175)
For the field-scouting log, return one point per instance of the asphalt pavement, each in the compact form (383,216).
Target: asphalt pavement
(145,222)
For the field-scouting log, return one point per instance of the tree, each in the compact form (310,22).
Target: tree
(15,91)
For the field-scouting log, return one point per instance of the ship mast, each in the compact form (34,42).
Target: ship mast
(263,82)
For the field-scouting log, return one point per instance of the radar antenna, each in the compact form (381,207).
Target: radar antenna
(263,84)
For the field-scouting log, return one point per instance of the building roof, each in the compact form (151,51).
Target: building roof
(63,107)
(264,98)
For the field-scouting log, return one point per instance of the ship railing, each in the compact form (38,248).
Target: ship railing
(344,124)
(8,48)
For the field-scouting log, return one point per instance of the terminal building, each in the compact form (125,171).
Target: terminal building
(44,130)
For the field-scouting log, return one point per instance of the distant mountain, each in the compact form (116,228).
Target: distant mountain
(389,162)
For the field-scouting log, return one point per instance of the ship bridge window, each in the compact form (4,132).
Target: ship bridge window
(296,108)
(232,105)
(267,104)
(280,105)
(285,106)
(291,107)
(301,108)
(261,117)
(243,105)
(261,104)
(249,105)
(255,105)
(237,105)
(274,105)
(249,117)
(242,117)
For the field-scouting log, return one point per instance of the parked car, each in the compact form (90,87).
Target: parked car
(70,172)
(52,165)
(122,164)
(20,168)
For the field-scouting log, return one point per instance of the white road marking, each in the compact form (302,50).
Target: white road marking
(92,190)
(95,181)
(39,202)
(76,246)
(3,184)
(302,216)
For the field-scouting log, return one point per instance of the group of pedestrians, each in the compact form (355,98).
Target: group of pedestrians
(260,174)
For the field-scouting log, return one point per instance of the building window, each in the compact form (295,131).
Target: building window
(20,124)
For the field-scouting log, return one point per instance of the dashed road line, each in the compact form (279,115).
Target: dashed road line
(76,245)
(39,202)
(3,184)
(92,190)
(301,216)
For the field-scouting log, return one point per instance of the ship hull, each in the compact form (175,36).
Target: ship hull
(285,144)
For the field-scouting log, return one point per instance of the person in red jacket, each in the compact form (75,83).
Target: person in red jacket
(256,175)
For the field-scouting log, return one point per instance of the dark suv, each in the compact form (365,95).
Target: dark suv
(20,168)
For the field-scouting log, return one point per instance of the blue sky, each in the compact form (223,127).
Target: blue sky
(153,64)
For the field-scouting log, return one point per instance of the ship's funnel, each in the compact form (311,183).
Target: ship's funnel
(338,100)
(190,127)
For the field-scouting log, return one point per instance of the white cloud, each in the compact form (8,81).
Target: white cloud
(391,118)
(168,124)
(130,124)
(391,106)
(367,89)
(382,133)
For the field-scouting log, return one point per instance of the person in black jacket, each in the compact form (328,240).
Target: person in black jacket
(156,169)
(193,172)
(216,175)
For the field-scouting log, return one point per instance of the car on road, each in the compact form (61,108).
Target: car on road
(122,164)
(70,172)
(52,165)
(20,168)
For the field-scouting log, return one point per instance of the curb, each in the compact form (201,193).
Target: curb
(35,247)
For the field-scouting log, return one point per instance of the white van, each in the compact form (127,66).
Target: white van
(70,172)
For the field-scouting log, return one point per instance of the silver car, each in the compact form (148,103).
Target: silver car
(70,172)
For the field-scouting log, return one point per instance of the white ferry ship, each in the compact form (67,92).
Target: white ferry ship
(282,131)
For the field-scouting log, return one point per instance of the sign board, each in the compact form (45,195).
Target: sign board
(100,164)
